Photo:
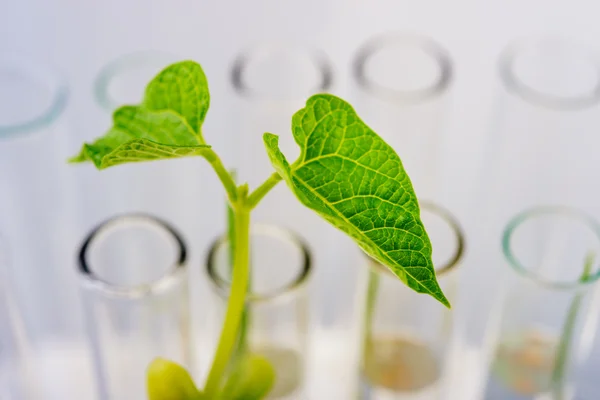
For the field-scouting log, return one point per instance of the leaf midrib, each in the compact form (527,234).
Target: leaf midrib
(326,156)
(160,148)
(385,255)
(198,94)
(196,135)
(365,167)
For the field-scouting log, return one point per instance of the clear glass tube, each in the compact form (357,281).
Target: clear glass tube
(135,290)
(34,207)
(276,323)
(33,96)
(401,87)
(270,83)
(407,336)
(37,211)
(541,151)
(551,304)
(16,372)
(545,128)
(401,84)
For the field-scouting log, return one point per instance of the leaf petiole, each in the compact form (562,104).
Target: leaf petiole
(224,176)
(261,191)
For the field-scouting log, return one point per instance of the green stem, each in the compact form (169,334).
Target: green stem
(231,237)
(564,349)
(261,191)
(224,175)
(372,289)
(235,304)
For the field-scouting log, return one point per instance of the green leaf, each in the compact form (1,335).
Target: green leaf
(169,381)
(183,89)
(138,135)
(356,181)
(251,379)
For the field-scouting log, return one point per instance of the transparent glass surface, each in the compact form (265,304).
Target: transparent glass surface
(34,207)
(123,81)
(270,83)
(550,304)
(33,96)
(400,87)
(407,335)
(540,152)
(545,127)
(551,72)
(276,322)
(37,217)
(135,290)
(16,373)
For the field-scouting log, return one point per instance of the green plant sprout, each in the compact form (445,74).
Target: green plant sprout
(563,352)
(345,172)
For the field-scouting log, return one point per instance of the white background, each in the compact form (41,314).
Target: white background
(78,37)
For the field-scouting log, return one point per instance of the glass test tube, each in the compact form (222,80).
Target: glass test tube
(551,304)
(276,325)
(407,336)
(134,284)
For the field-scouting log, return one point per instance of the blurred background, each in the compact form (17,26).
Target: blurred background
(465,92)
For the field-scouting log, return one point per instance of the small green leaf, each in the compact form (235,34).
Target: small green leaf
(182,88)
(138,135)
(169,381)
(356,181)
(251,379)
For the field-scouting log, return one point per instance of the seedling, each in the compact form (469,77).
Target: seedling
(345,172)
(563,352)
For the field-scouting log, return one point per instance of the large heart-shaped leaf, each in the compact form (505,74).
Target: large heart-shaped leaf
(356,181)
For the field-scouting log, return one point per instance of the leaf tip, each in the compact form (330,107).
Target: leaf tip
(445,302)
(81,157)
(76,159)
(439,296)
(326,97)
(270,138)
